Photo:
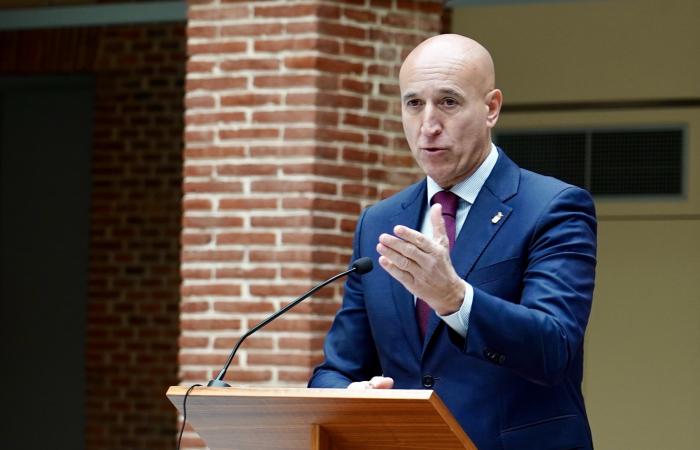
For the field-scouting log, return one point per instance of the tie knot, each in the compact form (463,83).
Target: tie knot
(449,201)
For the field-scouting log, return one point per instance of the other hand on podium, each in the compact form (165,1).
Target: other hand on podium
(374,383)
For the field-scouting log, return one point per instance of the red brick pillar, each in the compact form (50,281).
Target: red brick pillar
(292,127)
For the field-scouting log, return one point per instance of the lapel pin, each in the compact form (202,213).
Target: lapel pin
(497,217)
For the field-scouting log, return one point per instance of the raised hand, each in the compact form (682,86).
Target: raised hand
(422,265)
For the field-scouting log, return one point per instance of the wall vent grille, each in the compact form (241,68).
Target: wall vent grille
(610,162)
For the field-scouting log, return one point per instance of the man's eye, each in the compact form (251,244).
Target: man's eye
(413,103)
(449,102)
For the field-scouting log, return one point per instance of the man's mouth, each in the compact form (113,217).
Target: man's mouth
(433,149)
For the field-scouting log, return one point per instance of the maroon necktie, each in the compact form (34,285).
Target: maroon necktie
(449,201)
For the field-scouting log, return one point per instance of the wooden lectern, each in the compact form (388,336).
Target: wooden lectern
(320,419)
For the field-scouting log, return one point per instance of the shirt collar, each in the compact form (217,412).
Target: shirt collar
(469,188)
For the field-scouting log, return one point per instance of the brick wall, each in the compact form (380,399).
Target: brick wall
(133,316)
(134,259)
(292,127)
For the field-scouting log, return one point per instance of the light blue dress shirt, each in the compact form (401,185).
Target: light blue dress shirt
(466,190)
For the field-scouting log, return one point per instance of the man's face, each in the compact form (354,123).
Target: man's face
(446,116)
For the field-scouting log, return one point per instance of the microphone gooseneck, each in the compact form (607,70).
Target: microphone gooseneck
(361,266)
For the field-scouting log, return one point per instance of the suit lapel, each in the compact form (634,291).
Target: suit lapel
(482,223)
(486,216)
(410,215)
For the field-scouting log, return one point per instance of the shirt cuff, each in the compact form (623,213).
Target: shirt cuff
(459,320)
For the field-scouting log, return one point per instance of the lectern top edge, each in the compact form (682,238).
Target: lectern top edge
(395,394)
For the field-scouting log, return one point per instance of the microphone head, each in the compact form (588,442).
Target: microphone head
(362,265)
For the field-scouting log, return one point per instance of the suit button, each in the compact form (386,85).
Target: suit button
(494,357)
(428,381)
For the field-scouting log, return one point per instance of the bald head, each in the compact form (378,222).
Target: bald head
(468,61)
(448,106)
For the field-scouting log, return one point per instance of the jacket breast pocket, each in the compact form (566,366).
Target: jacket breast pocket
(566,432)
(502,269)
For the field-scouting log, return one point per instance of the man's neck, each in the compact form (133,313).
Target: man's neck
(484,154)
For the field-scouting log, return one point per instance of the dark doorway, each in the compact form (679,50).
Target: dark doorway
(45,145)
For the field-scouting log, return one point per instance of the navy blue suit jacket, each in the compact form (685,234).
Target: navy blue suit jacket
(514,382)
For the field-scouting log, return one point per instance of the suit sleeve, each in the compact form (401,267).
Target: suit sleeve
(540,337)
(350,352)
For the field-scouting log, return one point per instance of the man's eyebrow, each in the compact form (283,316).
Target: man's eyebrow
(408,95)
(442,91)
(448,91)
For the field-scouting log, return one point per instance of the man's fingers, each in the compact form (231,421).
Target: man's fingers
(374,383)
(419,239)
(439,230)
(395,257)
(381,383)
(414,237)
(401,249)
(401,276)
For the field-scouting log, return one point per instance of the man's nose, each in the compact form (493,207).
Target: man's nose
(431,125)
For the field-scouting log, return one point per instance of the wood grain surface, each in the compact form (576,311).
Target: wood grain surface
(323,419)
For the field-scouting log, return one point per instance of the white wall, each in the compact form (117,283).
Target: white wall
(642,367)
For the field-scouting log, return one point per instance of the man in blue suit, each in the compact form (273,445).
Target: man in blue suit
(487,271)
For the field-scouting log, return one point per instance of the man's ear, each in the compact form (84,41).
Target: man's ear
(494,100)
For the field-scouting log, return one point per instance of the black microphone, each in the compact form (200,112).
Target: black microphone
(361,266)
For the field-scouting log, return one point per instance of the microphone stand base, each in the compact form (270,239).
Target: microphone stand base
(217,383)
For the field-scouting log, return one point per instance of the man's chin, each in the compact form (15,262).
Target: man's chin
(443,180)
